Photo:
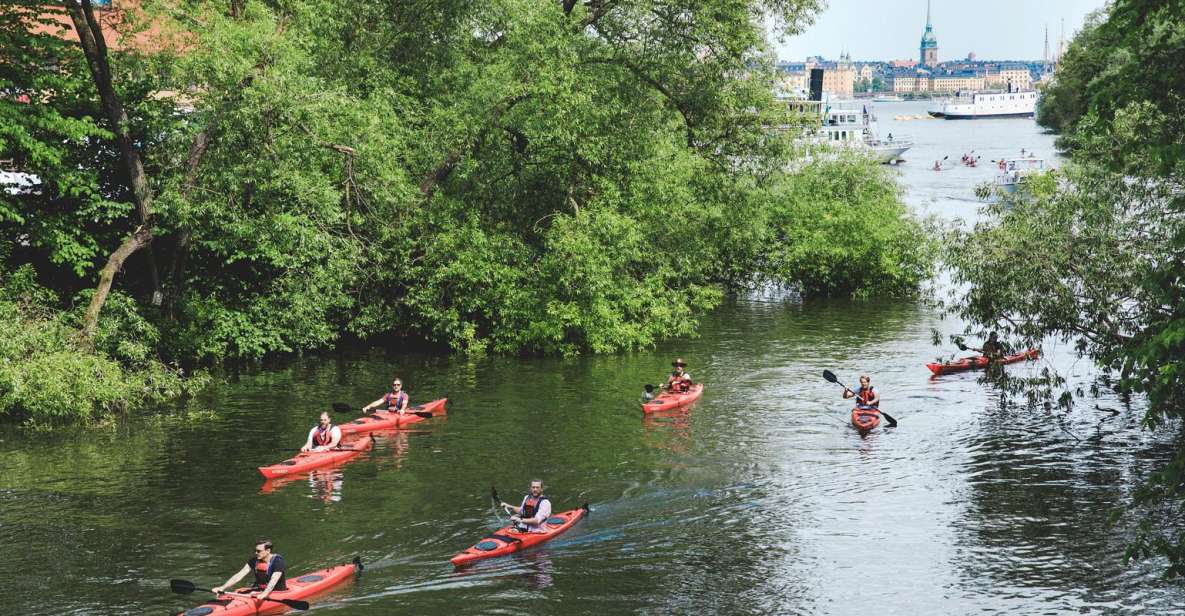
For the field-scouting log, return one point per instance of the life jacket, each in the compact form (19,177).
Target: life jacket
(263,574)
(394,400)
(322,437)
(678,382)
(531,506)
(862,398)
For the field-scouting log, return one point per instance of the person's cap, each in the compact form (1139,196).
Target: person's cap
(679,362)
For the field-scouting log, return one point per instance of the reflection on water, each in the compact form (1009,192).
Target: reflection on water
(758,499)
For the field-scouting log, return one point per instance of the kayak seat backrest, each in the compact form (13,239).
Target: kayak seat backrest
(309,579)
(361,421)
(487,545)
(199,611)
(556,520)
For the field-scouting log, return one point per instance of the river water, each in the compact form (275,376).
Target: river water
(758,499)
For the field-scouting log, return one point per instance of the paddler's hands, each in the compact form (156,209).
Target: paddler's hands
(218,590)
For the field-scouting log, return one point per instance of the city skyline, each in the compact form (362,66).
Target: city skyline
(877,30)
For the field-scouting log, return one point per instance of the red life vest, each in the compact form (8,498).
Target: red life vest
(531,506)
(394,401)
(324,437)
(678,383)
(864,395)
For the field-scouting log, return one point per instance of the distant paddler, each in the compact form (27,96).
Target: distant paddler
(395,400)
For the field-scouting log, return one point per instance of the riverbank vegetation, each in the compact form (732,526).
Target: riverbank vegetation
(511,176)
(1096,254)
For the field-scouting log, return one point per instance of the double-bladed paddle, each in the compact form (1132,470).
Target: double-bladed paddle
(185,587)
(342,407)
(830,376)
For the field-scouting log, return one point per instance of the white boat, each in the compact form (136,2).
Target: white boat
(990,104)
(853,124)
(936,109)
(887,98)
(1016,171)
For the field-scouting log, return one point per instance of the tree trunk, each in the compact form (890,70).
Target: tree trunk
(90,37)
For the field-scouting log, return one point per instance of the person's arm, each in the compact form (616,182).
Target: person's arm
(308,444)
(234,579)
(847,393)
(511,508)
(374,404)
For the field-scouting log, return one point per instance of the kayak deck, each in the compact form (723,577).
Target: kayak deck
(865,420)
(668,400)
(309,460)
(979,362)
(507,540)
(386,420)
(301,587)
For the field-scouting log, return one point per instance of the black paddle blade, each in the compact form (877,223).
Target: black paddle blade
(342,407)
(292,603)
(183,587)
(830,376)
(962,347)
(494,495)
(424,414)
(358,563)
(892,422)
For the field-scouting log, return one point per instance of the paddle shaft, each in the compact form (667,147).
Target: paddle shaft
(183,586)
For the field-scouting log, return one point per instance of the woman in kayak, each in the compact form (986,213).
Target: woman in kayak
(324,436)
(536,508)
(269,571)
(679,381)
(867,397)
(395,400)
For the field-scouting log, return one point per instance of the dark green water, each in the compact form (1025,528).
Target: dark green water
(759,499)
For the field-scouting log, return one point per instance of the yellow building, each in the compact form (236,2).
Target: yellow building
(953,82)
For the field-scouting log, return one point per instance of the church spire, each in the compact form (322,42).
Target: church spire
(928,14)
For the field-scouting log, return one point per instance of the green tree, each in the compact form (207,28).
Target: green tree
(1103,240)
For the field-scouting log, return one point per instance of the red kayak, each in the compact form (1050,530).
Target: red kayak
(668,400)
(865,420)
(507,540)
(979,362)
(386,420)
(298,588)
(308,460)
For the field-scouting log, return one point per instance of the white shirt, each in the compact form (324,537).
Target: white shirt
(541,514)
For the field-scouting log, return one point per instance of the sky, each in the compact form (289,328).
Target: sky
(892,29)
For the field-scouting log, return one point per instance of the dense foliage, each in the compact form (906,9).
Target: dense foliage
(1096,255)
(509,176)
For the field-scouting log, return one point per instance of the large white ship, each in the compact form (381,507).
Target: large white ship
(990,104)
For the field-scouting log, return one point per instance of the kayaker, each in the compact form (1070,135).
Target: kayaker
(867,397)
(679,381)
(648,395)
(937,166)
(395,400)
(992,349)
(269,571)
(536,508)
(324,436)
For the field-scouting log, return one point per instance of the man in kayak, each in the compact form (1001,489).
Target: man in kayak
(867,397)
(536,508)
(269,571)
(992,349)
(394,400)
(679,381)
(324,436)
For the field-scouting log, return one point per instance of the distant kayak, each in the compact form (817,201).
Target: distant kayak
(668,400)
(309,460)
(298,588)
(864,420)
(508,541)
(386,420)
(979,362)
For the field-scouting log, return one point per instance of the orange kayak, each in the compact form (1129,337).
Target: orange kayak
(508,540)
(979,362)
(667,401)
(301,587)
(865,419)
(308,460)
(386,420)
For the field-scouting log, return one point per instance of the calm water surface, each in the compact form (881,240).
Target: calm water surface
(759,499)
